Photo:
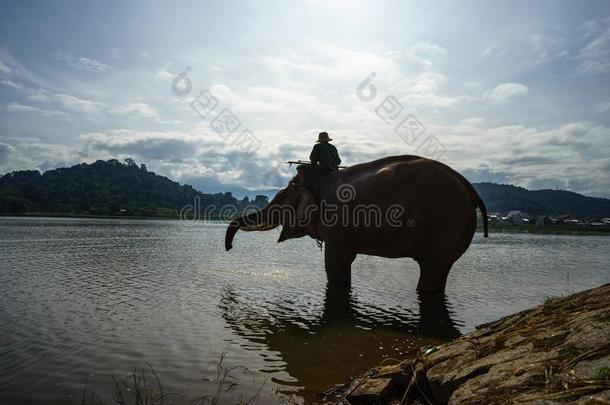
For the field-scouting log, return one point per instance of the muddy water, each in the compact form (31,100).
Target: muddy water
(84,299)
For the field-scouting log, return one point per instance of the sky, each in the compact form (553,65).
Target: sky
(220,94)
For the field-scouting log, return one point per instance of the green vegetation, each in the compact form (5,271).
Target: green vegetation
(547,229)
(573,351)
(603,373)
(549,299)
(108,188)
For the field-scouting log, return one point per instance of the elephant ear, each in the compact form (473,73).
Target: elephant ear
(304,206)
(304,210)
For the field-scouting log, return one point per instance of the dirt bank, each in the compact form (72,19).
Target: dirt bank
(557,352)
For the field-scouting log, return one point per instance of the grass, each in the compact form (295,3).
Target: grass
(137,389)
(552,377)
(603,373)
(573,351)
(550,299)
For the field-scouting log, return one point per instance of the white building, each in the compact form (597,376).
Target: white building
(516,217)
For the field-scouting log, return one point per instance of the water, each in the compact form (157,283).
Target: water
(85,299)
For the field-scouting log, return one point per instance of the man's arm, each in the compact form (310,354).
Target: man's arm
(314,156)
(337,157)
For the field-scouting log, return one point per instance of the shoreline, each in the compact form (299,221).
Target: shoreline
(527,229)
(91,216)
(558,351)
(550,230)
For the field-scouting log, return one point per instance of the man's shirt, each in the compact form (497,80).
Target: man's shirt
(325,154)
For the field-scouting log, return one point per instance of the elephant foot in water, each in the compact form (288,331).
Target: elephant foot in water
(433,276)
(338,265)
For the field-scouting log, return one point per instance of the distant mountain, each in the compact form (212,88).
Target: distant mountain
(503,198)
(106,188)
(115,188)
(238,192)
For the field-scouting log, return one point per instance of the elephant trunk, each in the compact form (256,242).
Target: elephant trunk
(231,231)
(255,221)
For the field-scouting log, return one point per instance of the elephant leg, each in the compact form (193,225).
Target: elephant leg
(433,273)
(338,264)
(446,275)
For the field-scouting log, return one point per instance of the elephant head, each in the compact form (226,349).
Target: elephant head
(293,207)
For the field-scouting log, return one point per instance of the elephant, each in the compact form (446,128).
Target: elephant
(397,206)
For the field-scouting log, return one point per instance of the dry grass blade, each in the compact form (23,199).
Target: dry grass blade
(135,389)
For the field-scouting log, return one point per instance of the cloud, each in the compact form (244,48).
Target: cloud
(473,121)
(66,101)
(426,48)
(423,54)
(18,107)
(113,53)
(16,73)
(5,69)
(506,92)
(163,146)
(594,57)
(10,83)
(165,76)
(290,87)
(202,156)
(35,154)
(527,52)
(82,62)
(472,86)
(141,110)
(603,107)
(54,113)
(532,157)
(517,154)
(5,151)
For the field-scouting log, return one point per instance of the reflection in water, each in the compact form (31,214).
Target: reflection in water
(435,318)
(82,300)
(339,343)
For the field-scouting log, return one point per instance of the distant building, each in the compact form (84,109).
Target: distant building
(515,217)
(494,218)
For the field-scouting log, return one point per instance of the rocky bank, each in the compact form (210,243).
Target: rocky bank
(557,352)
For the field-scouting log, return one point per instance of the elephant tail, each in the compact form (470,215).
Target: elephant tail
(481,205)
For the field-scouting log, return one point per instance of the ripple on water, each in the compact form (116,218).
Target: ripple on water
(83,299)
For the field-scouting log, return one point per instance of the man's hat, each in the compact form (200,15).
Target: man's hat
(323,137)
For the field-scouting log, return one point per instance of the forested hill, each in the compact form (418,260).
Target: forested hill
(116,188)
(105,188)
(503,198)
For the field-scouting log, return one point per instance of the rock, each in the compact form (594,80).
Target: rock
(601,398)
(371,391)
(589,369)
(555,353)
(400,373)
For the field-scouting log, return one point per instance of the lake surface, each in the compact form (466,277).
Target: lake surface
(85,299)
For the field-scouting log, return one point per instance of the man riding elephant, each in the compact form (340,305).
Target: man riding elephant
(324,158)
(324,153)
